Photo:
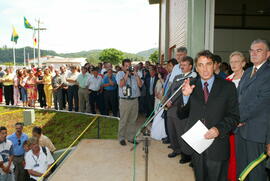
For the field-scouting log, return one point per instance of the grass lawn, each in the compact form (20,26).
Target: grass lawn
(61,128)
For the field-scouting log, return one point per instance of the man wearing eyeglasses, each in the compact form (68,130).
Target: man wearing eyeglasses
(253,136)
(17,139)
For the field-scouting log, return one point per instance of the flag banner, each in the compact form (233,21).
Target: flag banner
(27,24)
(14,36)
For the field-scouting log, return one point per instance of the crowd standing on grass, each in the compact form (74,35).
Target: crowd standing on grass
(231,99)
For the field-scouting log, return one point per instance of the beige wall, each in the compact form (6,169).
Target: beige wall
(163,26)
(178,23)
(228,40)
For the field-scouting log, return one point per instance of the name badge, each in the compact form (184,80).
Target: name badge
(36,165)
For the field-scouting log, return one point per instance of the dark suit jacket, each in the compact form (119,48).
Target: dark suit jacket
(220,111)
(147,84)
(254,100)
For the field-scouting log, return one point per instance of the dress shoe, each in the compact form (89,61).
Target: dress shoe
(184,160)
(132,141)
(173,154)
(123,142)
(166,141)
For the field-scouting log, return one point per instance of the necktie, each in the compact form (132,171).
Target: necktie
(254,72)
(205,92)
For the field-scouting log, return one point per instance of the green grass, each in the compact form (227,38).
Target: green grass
(61,128)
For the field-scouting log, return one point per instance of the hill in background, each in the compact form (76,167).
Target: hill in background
(6,54)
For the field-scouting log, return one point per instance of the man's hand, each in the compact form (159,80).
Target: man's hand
(241,124)
(268,149)
(211,133)
(187,89)
(6,169)
(169,104)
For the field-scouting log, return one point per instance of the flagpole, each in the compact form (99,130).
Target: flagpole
(14,59)
(24,56)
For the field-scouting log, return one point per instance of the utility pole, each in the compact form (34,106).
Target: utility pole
(38,29)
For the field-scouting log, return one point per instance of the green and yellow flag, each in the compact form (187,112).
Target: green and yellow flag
(14,36)
(27,24)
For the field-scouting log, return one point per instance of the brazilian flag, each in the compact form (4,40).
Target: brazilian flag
(27,24)
(14,36)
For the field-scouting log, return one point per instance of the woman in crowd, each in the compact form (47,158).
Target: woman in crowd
(40,88)
(47,81)
(159,89)
(8,86)
(16,87)
(23,79)
(237,63)
(31,88)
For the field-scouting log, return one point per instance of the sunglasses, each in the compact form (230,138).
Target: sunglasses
(19,142)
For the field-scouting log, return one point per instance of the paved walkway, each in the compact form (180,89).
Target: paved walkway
(106,160)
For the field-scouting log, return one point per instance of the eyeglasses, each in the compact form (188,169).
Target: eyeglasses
(257,50)
(19,142)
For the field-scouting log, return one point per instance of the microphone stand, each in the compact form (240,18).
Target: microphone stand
(146,132)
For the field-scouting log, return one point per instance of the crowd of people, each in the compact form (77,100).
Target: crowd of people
(23,158)
(231,100)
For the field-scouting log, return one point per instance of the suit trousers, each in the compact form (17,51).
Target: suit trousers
(110,102)
(173,132)
(96,98)
(73,95)
(209,170)
(149,102)
(41,96)
(65,97)
(246,152)
(58,100)
(8,93)
(19,172)
(129,109)
(84,100)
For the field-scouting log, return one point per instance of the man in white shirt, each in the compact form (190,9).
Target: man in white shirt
(64,88)
(181,52)
(95,95)
(73,89)
(37,160)
(6,157)
(83,82)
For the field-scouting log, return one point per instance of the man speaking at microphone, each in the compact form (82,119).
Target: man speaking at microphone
(213,101)
(175,125)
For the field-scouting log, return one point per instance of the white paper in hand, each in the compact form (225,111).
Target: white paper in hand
(194,137)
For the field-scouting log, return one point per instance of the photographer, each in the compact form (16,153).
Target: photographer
(129,90)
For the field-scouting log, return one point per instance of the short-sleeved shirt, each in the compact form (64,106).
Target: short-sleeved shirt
(47,81)
(8,79)
(132,82)
(72,76)
(95,82)
(106,81)
(83,80)
(6,151)
(17,143)
(39,164)
(56,81)
(45,141)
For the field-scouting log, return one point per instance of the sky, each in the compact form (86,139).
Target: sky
(78,25)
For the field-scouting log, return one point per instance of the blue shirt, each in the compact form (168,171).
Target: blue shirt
(210,85)
(16,144)
(106,81)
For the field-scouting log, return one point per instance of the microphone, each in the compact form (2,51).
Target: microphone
(190,75)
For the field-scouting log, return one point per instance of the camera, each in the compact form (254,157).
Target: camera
(131,69)
(127,91)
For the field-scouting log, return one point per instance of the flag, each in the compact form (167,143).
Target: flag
(27,24)
(35,41)
(34,38)
(14,36)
